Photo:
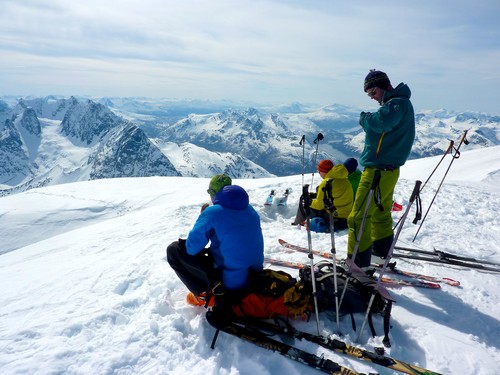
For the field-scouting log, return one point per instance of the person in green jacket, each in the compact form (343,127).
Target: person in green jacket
(342,195)
(354,176)
(389,136)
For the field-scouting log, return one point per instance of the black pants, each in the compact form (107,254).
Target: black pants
(363,259)
(195,271)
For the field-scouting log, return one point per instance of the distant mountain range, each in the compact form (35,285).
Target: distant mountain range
(51,140)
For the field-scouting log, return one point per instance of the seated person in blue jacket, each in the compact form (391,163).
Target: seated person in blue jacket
(232,226)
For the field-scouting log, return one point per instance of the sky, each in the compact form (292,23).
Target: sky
(86,288)
(269,52)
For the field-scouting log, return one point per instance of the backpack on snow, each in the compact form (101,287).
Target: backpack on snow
(360,288)
(272,294)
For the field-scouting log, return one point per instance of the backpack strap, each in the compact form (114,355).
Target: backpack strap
(370,323)
(387,324)
(328,200)
(305,202)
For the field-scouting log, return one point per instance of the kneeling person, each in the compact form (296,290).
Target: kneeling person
(233,228)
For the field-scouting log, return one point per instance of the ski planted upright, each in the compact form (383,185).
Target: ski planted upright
(396,271)
(378,357)
(270,199)
(262,340)
(388,282)
(282,200)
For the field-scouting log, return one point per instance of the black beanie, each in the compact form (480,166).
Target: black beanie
(351,165)
(376,78)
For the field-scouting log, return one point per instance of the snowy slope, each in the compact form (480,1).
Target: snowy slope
(87,289)
(193,161)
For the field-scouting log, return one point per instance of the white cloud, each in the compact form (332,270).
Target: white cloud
(256,50)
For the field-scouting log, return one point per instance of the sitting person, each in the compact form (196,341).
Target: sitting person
(233,228)
(342,194)
(354,176)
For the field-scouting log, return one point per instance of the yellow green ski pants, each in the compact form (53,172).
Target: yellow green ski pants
(378,224)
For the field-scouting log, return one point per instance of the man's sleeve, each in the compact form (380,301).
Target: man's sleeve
(385,119)
(198,236)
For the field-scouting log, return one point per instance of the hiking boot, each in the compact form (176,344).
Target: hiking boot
(377,259)
(381,247)
(370,270)
(199,300)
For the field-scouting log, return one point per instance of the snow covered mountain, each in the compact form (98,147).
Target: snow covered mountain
(58,140)
(272,139)
(46,141)
(195,161)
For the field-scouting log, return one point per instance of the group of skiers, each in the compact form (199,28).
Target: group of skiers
(214,275)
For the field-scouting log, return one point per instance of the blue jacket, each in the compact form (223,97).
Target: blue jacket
(390,131)
(233,228)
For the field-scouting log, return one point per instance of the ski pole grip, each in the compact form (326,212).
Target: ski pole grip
(318,138)
(416,191)
(376,179)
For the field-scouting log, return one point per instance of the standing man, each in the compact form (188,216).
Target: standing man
(232,226)
(389,136)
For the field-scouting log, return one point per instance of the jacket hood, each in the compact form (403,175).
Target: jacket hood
(338,171)
(233,197)
(400,90)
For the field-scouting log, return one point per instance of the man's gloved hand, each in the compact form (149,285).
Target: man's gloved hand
(205,205)
(362,116)
(182,243)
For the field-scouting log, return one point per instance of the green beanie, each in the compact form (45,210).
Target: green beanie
(218,182)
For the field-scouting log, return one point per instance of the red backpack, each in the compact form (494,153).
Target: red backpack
(273,293)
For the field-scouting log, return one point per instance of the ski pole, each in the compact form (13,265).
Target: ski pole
(448,150)
(413,197)
(455,156)
(316,142)
(303,144)
(335,282)
(371,192)
(330,207)
(307,202)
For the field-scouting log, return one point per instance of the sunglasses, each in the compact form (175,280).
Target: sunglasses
(372,93)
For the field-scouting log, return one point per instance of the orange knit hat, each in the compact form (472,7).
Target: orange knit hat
(324,166)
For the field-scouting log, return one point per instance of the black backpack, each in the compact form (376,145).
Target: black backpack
(360,288)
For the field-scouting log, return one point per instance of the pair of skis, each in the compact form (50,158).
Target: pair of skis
(391,269)
(281,201)
(387,281)
(258,332)
(442,257)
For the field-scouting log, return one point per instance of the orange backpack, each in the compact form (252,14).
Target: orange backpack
(272,294)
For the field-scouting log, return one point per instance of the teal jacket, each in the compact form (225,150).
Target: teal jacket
(389,132)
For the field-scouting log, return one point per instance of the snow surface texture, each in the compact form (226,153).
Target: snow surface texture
(87,289)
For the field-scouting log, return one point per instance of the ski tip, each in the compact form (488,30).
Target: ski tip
(451,282)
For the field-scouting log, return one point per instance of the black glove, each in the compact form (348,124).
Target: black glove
(182,243)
